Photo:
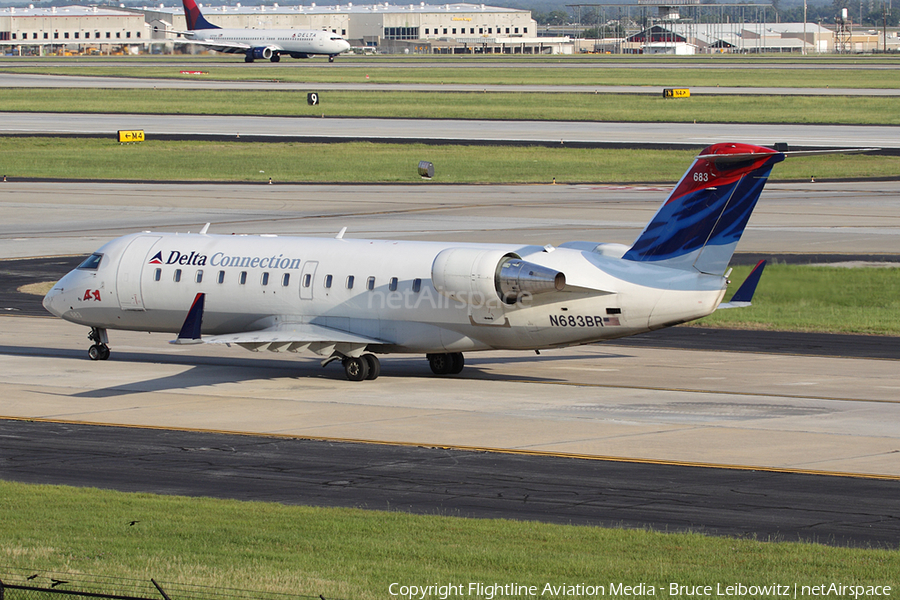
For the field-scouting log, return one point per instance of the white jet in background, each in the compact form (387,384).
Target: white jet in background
(268,44)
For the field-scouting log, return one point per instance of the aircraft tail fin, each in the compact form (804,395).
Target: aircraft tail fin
(190,330)
(702,220)
(744,294)
(194,17)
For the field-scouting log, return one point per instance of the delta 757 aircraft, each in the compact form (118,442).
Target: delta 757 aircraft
(260,43)
(346,299)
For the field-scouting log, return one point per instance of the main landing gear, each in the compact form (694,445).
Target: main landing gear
(99,350)
(446,364)
(366,366)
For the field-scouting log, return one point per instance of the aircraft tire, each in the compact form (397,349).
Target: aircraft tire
(275,57)
(457,361)
(98,352)
(356,369)
(248,58)
(374,366)
(441,364)
(330,59)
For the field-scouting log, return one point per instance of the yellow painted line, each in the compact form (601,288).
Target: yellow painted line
(614,386)
(513,451)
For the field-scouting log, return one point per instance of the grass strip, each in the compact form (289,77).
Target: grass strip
(155,160)
(356,554)
(820,299)
(501,74)
(472,105)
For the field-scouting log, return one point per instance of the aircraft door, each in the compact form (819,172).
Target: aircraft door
(308,279)
(128,276)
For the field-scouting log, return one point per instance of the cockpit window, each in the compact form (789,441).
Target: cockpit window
(92,262)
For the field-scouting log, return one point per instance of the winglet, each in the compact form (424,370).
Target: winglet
(190,331)
(744,293)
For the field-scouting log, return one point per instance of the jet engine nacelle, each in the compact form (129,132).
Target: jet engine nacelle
(477,277)
(265,53)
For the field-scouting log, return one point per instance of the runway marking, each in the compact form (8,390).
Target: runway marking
(513,451)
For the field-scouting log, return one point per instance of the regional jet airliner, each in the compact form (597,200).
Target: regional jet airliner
(350,299)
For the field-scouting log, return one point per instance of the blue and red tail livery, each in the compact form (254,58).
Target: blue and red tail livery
(191,328)
(194,17)
(701,222)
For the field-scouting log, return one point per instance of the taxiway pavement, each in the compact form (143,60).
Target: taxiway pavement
(762,410)
(762,504)
(317,129)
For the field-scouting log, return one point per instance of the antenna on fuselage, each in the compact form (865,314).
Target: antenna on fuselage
(340,234)
(205,229)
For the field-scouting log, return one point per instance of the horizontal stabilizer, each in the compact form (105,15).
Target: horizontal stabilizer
(744,293)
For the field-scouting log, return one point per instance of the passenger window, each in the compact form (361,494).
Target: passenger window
(350,282)
(199,277)
(177,275)
(157,275)
(370,283)
(392,286)
(265,279)
(417,285)
(92,262)
(243,278)
(285,279)
(307,280)
(221,277)
(328,280)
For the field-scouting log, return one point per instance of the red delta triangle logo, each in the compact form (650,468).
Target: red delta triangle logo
(157,259)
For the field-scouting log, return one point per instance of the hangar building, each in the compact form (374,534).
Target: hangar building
(70,25)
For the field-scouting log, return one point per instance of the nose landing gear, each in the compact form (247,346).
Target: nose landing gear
(99,350)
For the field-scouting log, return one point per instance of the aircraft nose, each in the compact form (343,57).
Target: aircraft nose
(53,301)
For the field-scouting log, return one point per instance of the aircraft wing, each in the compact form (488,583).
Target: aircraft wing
(293,333)
(220,46)
(292,337)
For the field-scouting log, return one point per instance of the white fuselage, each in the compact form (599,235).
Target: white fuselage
(147,282)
